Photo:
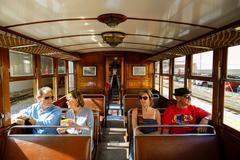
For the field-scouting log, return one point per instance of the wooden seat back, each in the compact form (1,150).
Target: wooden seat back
(48,147)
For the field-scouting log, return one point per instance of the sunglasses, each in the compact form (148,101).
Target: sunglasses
(48,97)
(144,97)
(187,97)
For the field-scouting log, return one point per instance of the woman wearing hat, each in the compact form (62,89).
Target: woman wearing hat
(184,113)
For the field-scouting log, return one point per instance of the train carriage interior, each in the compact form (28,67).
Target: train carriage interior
(111,50)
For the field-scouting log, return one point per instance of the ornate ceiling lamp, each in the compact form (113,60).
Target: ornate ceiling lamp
(112,19)
(113,38)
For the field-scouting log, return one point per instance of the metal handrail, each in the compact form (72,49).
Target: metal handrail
(177,126)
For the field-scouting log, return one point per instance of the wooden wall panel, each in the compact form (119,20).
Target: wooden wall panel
(91,84)
(138,82)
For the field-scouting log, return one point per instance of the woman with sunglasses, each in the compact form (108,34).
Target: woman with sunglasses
(41,113)
(184,113)
(146,115)
(77,115)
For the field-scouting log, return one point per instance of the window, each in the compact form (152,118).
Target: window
(21,95)
(46,65)
(165,86)
(202,64)
(61,85)
(21,92)
(156,75)
(47,82)
(179,71)
(232,89)
(201,96)
(165,66)
(20,64)
(71,75)
(61,66)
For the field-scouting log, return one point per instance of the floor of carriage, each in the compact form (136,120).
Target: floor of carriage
(113,144)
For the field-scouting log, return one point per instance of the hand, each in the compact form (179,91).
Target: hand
(202,129)
(18,121)
(23,116)
(32,120)
(61,130)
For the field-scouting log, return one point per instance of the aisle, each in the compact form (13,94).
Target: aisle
(113,144)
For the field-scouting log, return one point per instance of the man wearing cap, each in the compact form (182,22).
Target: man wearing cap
(184,113)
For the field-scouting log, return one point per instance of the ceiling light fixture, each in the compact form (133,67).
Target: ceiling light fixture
(113,38)
(112,19)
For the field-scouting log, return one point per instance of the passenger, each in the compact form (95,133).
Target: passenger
(184,113)
(77,115)
(41,113)
(146,115)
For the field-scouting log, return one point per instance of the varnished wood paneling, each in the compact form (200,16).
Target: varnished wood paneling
(5,107)
(138,82)
(92,83)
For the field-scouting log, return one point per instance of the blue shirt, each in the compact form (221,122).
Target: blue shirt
(47,117)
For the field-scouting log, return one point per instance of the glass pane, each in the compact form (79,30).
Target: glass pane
(201,95)
(165,87)
(156,82)
(61,66)
(233,63)
(179,66)
(20,64)
(47,82)
(70,67)
(157,67)
(231,115)
(178,82)
(21,95)
(71,82)
(202,64)
(46,65)
(61,86)
(165,66)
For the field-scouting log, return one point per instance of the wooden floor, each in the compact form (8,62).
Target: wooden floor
(113,145)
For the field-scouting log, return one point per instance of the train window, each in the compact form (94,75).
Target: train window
(165,66)
(21,95)
(201,95)
(232,89)
(165,86)
(157,67)
(202,64)
(20,64)
(61,66)
(47,81)
(156,75)
(156,82)
(61,85)
(71,75)
(46,65)
(179,70)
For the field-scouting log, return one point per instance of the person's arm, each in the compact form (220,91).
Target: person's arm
(158,119)
(206,117)
(90,120)
(22,116)
(134,121)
